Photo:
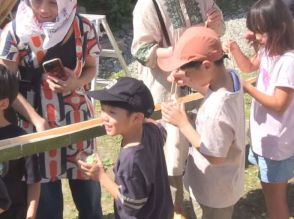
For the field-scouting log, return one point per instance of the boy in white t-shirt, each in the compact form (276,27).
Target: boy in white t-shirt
(215,166)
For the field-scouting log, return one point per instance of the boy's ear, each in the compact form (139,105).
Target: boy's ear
(207,64)
(139,117)
(4,103)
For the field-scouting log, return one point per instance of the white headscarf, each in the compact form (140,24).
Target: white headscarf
(27,25)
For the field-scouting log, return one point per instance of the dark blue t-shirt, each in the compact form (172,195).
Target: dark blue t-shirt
(5,201)
(141,173)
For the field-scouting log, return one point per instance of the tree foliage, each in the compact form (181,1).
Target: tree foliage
(117,11)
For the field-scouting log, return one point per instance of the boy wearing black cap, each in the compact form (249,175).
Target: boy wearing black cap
(140,189)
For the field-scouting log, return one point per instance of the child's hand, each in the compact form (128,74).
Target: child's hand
(249,36)
(171,78)
(230,46)
(246,85)
(93,170)
(179,77)
(174,114)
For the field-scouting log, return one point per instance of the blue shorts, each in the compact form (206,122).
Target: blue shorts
(272,171)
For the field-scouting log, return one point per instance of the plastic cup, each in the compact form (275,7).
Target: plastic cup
(87,158)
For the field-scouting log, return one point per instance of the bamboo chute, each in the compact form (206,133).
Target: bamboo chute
(63,136)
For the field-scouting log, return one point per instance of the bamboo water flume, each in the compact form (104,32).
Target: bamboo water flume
(29,144)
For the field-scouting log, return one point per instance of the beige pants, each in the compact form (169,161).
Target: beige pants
(217,213)
(175,150)
(206,212)
(177,191)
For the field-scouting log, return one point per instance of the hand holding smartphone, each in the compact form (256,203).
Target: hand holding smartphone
(54,67)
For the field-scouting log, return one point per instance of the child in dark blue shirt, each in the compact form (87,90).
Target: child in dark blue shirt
(140,189)
(4,197)
(21,177)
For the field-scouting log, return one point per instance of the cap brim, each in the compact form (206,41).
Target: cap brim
(170,63)
(103,95)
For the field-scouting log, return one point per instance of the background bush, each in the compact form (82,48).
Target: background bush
(117,11)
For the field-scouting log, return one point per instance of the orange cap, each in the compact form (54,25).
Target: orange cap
(195,44)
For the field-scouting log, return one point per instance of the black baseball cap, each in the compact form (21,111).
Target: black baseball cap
(128,93)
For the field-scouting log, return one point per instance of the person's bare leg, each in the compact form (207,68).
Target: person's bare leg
(276,200)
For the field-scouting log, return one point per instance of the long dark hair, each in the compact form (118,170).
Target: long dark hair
(274,18)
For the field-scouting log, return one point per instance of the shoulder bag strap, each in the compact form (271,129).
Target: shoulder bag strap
(163,28)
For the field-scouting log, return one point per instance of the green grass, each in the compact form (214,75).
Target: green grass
(117,75)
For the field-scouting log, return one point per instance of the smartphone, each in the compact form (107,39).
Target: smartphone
(55,68)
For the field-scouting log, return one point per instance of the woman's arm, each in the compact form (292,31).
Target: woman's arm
(33,199)
(148,36)
(88,72)
(278,102)
(22,106)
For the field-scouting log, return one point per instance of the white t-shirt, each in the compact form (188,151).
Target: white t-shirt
(221,124)
(272,134)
